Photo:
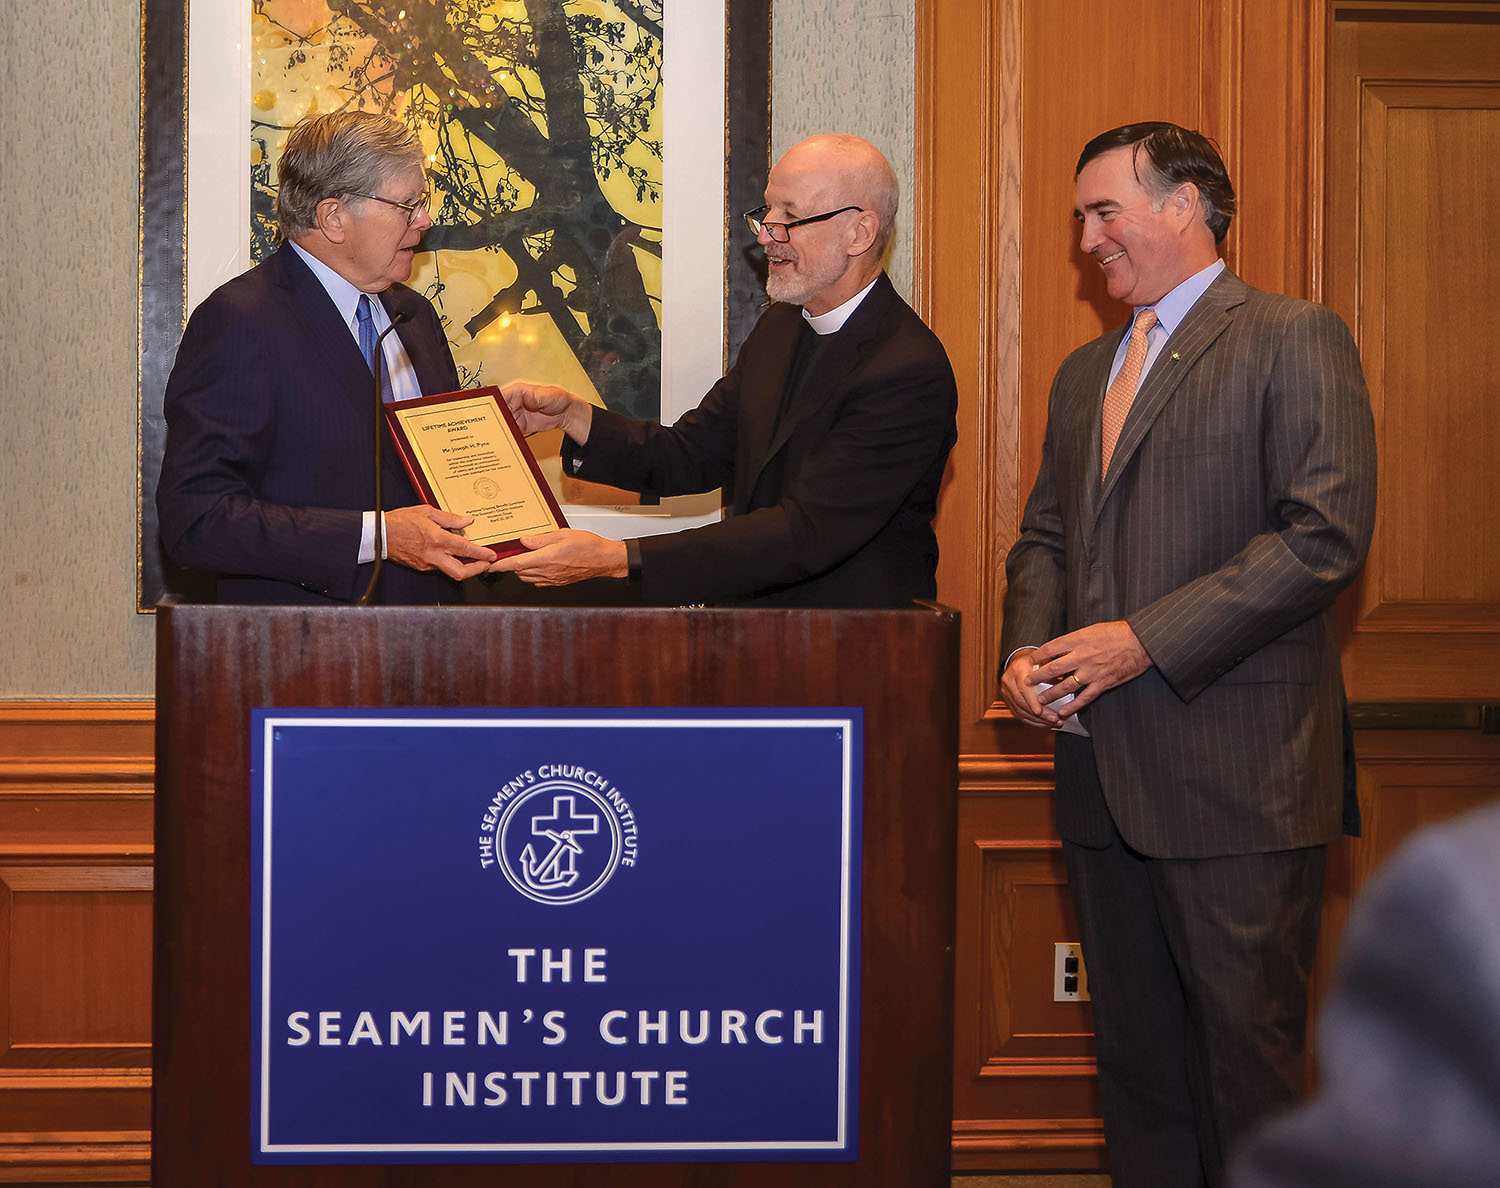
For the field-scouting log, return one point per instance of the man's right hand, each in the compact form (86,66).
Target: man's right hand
(539,407)
(1023,699)
(423,538)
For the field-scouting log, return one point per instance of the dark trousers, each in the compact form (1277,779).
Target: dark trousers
(1198,970)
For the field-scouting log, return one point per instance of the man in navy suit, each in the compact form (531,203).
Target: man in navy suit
(829,434)
(267,478)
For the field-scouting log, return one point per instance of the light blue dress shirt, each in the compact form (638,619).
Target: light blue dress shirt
(1170,311)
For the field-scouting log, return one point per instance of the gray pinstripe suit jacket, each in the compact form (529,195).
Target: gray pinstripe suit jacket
(1239,502)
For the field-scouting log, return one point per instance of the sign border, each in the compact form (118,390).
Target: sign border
(266,721)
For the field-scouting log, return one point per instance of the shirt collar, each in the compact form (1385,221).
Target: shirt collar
(833,320)
(1172,308)
(345,296)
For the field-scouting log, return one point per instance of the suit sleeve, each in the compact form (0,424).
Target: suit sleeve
(220,408)
(1318,457)
(693,455)
(1036,566)
(895,422)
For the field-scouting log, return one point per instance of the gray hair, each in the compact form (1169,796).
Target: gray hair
(335,155)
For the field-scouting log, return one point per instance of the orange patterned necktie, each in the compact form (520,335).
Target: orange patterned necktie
(1121,394)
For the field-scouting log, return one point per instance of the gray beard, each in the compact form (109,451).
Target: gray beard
(786,289)
(800,287)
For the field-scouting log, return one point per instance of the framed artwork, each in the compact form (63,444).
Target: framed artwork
(582,233)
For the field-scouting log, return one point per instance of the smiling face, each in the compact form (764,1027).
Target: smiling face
(379,241)
(1146,246)
(826,263)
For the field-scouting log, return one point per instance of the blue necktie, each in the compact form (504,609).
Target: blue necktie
(367,335)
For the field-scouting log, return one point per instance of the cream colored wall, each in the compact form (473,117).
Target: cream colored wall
(68,189)
(850,67)
(69,171)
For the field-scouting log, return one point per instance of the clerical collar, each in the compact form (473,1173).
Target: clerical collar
(834,319)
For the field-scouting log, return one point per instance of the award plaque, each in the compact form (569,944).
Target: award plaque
(465,454)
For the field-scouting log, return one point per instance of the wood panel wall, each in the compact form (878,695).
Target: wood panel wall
(1361,140)
(1410,266)
(75,942)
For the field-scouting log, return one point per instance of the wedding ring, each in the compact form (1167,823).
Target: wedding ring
(1076,681)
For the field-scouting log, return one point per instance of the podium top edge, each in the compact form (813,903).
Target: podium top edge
(170,606)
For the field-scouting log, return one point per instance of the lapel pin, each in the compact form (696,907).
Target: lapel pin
(1175,357)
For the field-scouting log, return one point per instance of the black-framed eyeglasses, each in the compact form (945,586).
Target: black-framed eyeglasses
(782,232)
(412,209)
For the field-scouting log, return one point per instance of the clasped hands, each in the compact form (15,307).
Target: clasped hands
(1084,663)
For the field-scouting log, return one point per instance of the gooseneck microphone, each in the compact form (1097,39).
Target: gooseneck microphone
(364,599)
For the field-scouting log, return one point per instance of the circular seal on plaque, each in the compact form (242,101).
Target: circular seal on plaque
(486,488)
(559,842)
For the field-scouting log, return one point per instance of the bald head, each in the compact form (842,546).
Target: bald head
(830,205)
(846,170)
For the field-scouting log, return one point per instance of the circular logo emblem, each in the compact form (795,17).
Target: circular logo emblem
(561,840)
(486,488)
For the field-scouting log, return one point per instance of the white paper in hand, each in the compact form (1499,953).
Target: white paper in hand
(1069,725)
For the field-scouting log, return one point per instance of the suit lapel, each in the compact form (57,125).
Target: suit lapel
(420,348)
(1208,319)
(328,344)
(835,358)
(765,402)
(330,348)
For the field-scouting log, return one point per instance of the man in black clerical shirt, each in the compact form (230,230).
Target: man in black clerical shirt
(829,434)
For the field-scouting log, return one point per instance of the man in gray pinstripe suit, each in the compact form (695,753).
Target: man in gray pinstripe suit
(1207,488)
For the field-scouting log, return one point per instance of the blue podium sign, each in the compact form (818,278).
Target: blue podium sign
(565,935)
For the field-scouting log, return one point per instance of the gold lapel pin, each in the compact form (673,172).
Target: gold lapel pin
(1176,357)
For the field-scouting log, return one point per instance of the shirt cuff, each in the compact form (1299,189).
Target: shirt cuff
(367,538)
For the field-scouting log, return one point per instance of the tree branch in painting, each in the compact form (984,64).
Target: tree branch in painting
(541,116)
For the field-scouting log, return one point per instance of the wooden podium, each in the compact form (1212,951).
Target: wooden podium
(217,663)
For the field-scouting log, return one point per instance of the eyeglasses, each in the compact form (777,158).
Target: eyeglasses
(782,232)
(412,209)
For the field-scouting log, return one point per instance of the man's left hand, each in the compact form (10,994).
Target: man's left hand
(1086,663)
(564,557)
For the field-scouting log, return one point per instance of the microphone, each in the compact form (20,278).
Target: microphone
(364,599)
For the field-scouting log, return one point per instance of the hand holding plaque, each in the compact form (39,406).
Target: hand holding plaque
(465,454)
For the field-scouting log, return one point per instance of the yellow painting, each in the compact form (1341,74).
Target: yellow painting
(542,125)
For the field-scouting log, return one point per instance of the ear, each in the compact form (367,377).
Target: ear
(865,234)
(1185,203)
(332,217)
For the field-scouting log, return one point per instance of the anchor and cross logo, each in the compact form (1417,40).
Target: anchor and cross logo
(561,839)
(557,869)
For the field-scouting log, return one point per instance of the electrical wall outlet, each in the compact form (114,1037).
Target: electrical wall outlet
(1070,981)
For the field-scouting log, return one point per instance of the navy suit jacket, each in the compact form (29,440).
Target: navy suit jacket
(830,502)
(270,429)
